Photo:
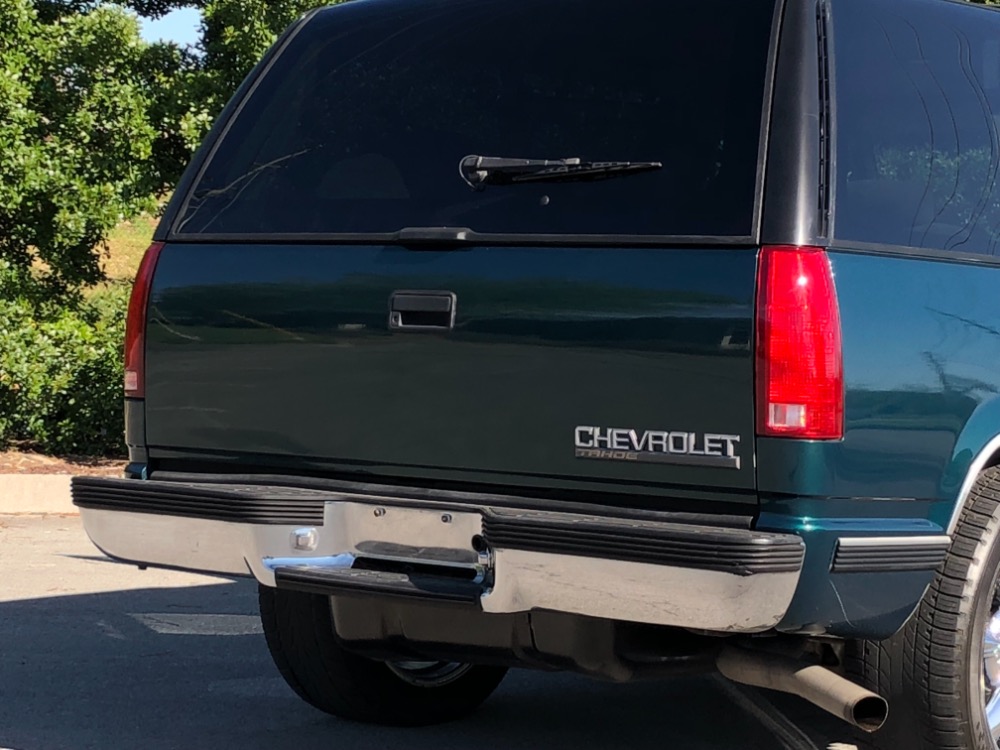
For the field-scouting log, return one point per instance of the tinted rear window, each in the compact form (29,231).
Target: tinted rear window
(360,124)
(918,143)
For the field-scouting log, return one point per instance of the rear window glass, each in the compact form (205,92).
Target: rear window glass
(361,123)
(918,142)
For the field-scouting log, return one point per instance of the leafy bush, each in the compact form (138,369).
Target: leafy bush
(77,136)
(61,369)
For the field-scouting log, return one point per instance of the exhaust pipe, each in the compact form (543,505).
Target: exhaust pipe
(818,685)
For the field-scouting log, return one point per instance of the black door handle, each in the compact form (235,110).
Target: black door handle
(422,311)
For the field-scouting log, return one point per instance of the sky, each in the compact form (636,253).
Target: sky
(180,26)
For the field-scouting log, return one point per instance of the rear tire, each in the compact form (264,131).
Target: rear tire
(932,672)
(301,638)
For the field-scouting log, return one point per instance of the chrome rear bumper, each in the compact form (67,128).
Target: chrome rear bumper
(718,579)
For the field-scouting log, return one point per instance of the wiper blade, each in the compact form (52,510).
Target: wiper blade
(480,171)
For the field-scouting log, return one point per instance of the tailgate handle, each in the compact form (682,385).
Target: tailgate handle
(422,311)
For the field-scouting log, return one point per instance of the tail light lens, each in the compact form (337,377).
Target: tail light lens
(135,324)
(800,373)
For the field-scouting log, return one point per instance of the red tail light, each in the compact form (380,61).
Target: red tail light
(800,373)
(135,324)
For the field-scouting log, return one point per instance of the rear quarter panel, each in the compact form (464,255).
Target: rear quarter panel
(921,341)
(921,353)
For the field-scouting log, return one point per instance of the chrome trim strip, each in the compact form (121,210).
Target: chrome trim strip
(975,469)
(894,541)
(332,562)
(893,554)
(514,580)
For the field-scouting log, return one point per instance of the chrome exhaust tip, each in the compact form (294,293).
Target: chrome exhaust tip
(869,713)
(820,686)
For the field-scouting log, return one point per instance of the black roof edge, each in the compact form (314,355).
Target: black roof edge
(792,207)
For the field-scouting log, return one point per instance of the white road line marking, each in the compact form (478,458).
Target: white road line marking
(110,631)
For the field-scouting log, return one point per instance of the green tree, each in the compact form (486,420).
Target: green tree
(49,10)
(95,123)
(237,33)
(76,137)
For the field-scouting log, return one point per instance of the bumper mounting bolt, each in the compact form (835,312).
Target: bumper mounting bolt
(305,539)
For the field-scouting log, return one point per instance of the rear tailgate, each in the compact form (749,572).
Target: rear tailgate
(632,367)
(589,330)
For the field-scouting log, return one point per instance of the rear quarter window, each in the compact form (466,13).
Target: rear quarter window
(360,124)
(918,152)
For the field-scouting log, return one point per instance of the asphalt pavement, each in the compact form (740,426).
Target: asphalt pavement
(95,654)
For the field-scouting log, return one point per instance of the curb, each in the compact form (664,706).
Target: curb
(35,494)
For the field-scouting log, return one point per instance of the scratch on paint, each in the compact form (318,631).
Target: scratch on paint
(841,601)
(262,324)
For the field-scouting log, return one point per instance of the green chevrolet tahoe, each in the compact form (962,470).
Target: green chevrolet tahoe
(626,338)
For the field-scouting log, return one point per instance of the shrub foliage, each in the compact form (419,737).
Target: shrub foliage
(75,138)
(61,369)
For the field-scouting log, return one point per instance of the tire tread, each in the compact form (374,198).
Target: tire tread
(921,669)
(300,634)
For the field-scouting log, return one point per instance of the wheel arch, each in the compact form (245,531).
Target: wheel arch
(977,449)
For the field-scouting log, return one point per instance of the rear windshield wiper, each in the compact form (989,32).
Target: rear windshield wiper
(480,171)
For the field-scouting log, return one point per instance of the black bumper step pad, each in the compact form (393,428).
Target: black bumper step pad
(238,503)
(733,551)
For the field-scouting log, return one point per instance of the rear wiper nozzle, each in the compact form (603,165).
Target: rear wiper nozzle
(480,171)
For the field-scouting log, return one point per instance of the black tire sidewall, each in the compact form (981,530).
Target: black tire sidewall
(931,670)
(301,636)
(983,576)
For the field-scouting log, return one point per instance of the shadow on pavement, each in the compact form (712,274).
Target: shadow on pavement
(188,668)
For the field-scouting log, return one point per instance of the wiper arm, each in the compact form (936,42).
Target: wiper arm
(480,171)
